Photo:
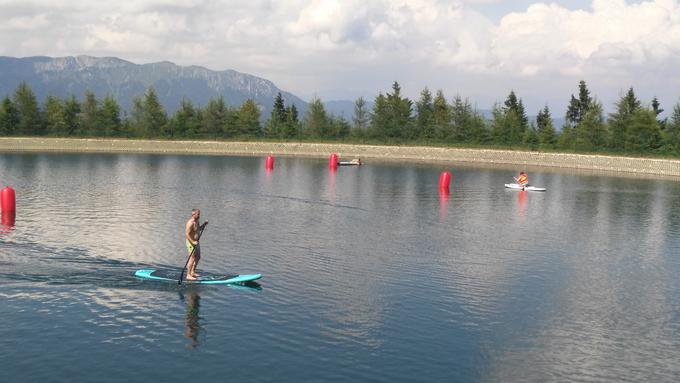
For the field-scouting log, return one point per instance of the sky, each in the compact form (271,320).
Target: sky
(345,49)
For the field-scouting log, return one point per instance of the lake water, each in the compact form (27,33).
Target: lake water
(369,274)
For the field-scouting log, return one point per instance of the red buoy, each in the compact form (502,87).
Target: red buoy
(269,163)
(8,200)
(333,161)
(444,180)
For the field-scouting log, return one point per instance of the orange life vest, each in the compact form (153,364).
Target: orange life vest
(523,179)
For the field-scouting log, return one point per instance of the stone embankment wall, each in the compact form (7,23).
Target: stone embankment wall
(649,166)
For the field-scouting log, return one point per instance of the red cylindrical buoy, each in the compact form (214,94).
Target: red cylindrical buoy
(444,180)
(8,200)
(269,163)
(333,161)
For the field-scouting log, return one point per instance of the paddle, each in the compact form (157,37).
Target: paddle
(200,233)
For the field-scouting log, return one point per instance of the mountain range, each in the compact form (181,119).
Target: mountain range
(124,80)
(66,76)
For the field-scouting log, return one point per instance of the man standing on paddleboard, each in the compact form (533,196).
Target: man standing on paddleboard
(192,233)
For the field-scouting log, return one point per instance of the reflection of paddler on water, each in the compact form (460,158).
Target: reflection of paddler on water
(355,161)
(191,322)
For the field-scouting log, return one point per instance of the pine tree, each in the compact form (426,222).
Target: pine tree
(90,123)
(279,108)
(530,138)
(573,115)
(316,122)
(578,106)
(545,129)
(500,132)
(400,120)
(28,111)
(643,133)
(126,129)
(3,120)
(154,114)
(477,129)
(249,119)
(72,117)
(379,117)
(425,115)
(215,118)
(138,121)
(656,107)
(671,134)
(507,124)
(565,140)
(590,133)
(291,126)
(109,117)
(292,114)
(185,122)
(277,118)
(441,119)
(512,103)
(463,121)
(9,117)
(339,127)
(342,127)
(55,121)
(514,121)
(362,116)
(621,119)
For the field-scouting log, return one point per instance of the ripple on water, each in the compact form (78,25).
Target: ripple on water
(369,274)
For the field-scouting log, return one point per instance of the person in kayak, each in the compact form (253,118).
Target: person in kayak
(192,234)
(523,179)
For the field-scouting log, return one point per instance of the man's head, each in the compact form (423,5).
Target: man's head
(195,213)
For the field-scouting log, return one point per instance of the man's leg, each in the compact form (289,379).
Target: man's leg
(191,265)
(197,257)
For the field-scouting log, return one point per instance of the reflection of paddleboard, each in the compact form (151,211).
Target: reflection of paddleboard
(169,275)
(519,187)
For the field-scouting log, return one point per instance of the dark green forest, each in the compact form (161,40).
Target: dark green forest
(634,128)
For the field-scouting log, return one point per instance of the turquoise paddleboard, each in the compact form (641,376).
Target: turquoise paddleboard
(170,275)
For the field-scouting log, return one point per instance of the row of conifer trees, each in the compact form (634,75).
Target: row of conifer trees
(634,127)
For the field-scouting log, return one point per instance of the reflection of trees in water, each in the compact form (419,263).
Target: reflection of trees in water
(192,319)
(614,307)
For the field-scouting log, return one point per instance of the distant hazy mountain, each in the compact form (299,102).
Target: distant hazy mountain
(64,76)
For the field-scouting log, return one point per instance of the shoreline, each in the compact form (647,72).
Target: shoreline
(422,154)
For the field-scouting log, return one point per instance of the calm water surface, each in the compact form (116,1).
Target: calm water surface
(369,274)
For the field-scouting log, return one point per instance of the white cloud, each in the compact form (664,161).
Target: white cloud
(638,34)
(336,48)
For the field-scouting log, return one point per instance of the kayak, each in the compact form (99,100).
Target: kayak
(520,187)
